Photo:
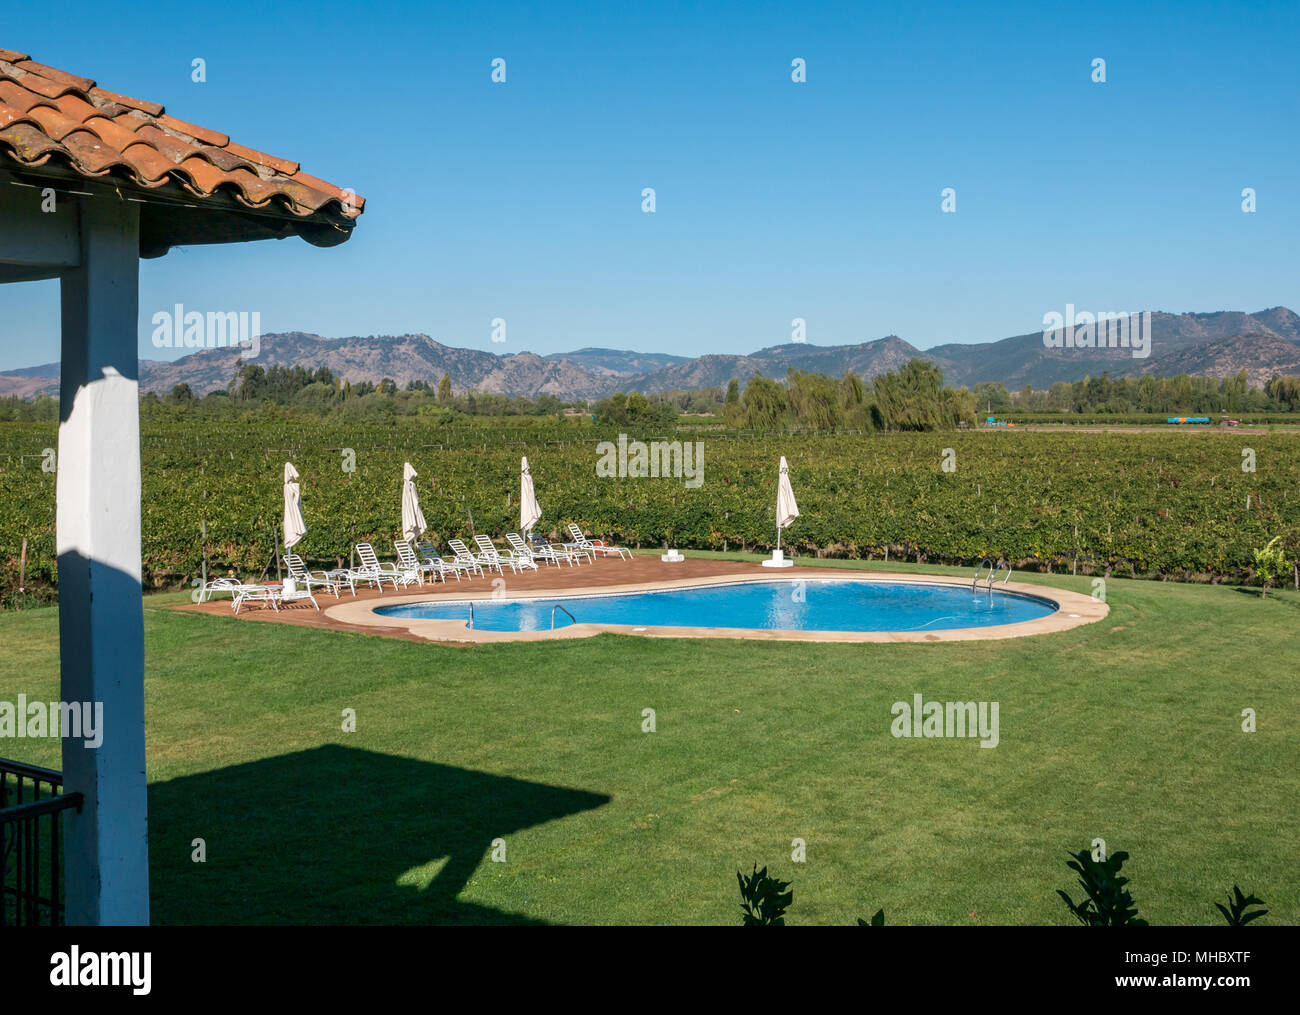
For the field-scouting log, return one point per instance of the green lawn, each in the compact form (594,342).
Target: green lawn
(1128,730)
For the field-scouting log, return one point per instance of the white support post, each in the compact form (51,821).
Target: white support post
(101,625)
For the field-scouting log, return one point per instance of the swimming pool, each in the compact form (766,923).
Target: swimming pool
(772,605)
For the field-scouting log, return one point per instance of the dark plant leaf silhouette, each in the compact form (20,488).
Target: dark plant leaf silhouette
(1109,903)
(763,899)
(1236,913)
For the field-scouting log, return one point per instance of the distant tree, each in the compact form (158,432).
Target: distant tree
(612,409)
(182,393)
(249,381)
(854,393)
(814,399)
(444,389)
(1285,391)
(992,397)
(765,403)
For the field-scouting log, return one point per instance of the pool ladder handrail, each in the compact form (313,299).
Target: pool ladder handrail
(557,606)
(471,613)
(994,571)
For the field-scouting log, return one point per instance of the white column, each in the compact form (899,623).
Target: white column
(101,625)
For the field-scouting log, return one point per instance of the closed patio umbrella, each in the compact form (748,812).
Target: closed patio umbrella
(412,518)
(786,512)
(529,510)
(294,527)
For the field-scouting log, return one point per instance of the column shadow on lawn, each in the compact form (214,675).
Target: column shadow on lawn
(323,836)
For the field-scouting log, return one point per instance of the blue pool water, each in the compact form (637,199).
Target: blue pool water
(784,605)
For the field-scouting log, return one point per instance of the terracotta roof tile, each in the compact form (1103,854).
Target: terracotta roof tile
(175,148)
(29,143)
(19,98)
(71,105)
(152,108)
(343,195)
(203,174)
(93,157)
(147,163)
(225,158)
(9,115)
(262,159)
(62,77)
(48,114)
(110,133)
(44,86)
(199,133)
(52,121)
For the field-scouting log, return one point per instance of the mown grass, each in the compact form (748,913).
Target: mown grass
(1128,730)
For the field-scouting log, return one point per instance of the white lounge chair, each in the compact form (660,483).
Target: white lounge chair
(428,554)
(523,556)
(488,553)
(408,561)
(581,542)
(255,594)
(276,595)
(331,580)
(230,585)
(375,572)
(464,558)
(556,555)
(463,552)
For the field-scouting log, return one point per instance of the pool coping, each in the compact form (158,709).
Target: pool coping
(1072,610)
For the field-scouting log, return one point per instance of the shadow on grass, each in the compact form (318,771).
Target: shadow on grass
(336,835)
(1283,596)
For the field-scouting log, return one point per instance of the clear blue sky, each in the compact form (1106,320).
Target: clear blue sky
(775,200)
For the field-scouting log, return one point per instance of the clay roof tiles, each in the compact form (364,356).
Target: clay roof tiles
(50,116)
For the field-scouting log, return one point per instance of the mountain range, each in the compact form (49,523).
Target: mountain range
(1218,344)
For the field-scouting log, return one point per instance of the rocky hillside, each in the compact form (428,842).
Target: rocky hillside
(1212,344)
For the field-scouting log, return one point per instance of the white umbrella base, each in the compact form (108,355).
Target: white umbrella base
(778,560)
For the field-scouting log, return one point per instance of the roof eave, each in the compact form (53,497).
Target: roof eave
(171,217)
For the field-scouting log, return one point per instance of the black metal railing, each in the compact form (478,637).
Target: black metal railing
(32,803)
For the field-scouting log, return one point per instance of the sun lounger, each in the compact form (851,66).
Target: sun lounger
(521,551)
(375,572)
(408,561)
(556,555)
(330,580)
(464,558)
(276,595)
(581,542)
(463,552)
(219,585)
(428,554)
(487,552)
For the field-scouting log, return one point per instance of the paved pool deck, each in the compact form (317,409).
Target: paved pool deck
(643,573)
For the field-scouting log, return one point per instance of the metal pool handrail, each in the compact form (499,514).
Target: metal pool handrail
(991,576)
(557,606)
